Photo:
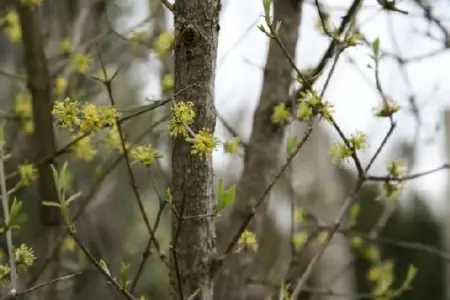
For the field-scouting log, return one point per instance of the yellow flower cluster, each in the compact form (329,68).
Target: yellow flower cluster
(84,148)
(80,62)
(311,104)
(182,115)
(390,189)
(248,240)
(28,173)
(145,155)
(341,151)
(203,143)
(11,25)
(87,118)
(164,43)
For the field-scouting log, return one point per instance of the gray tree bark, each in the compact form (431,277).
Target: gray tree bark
(193,239)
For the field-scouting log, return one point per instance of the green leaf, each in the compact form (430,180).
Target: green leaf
(72,198)
(376,47)
(354,213)
(291,142)
(104,267)
(124,269)
(169,195)
(225,196)
(48,203)
(266,5)
(15,209)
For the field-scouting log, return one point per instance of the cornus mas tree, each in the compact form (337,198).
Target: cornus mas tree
(213,239)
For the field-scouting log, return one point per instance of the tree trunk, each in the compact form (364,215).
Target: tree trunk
(261,164)
(193,239)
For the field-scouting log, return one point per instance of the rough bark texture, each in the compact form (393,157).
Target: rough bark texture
(261,161)
(193,241)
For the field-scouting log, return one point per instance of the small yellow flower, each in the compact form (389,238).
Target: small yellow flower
(97,117)
(84,149)
(167,82)
(299,239)
(299,215)
(80,63)
(112,139)
(4,274)
(326,110)
(304,111)
(280,114)
(340,152)
(24,111)
(28,173)
(396,169)
(203,143)
(387,109)
(248,240)
(66,113)
(12,27)
(372,254)
(60,85)
(138,38)
(231,146)
(163,43)
(358,140)
(68,244)
(66,46)
(145,155)
(24,257)
(357,242)
(182,114)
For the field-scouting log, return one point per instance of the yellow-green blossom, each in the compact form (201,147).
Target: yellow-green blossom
(280,114)
(299,239)
(231,146)
(167,82)
(163,43)
(60,85)
(97,117)
(66,46)
(182,115)
(340,152)
(84,149)
(387,109)
(28,173)
(80,62)
(67,113)
(358,140)
(203,143)
(24,256)
(11,25)
(24,111)
(248,241)
(112,139)
(145,155)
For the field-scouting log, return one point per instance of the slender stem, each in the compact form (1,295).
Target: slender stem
(5,204)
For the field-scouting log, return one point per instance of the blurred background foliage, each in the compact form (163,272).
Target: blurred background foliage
(111,225)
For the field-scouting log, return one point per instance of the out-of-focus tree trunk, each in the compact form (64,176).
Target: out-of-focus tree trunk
(261,164)
(40,86)
(193,239)
(445,222)
(317,183)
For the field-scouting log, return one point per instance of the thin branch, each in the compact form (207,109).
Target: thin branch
(5,205)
